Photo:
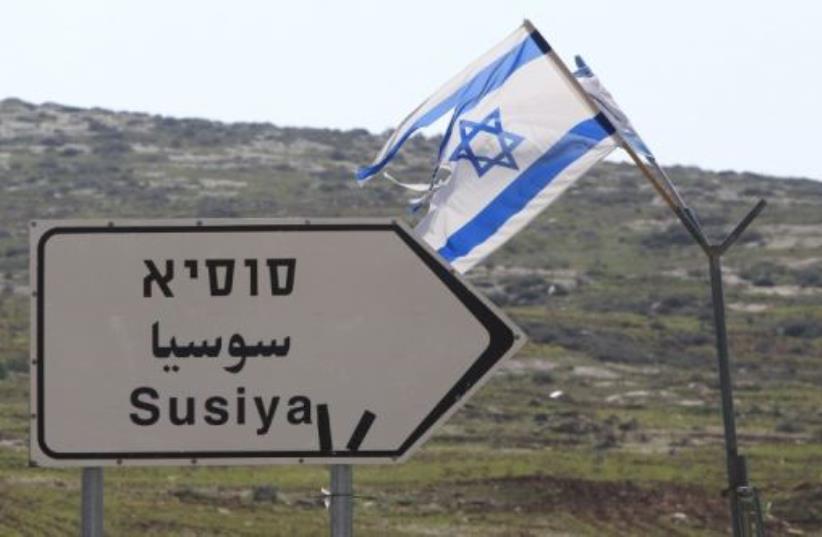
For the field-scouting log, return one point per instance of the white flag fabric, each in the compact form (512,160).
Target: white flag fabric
(597,91)
(608,105)
(521,132)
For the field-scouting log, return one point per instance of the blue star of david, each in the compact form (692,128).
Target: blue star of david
(491,124)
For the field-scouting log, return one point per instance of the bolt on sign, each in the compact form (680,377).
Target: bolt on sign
(248,342)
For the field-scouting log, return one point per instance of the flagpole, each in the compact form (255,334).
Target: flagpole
(667,179)
(668,192)
(684,213)
(746,513)
(671,197)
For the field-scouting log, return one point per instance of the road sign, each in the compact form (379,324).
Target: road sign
(248,341)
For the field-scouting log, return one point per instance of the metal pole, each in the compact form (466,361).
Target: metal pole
(92,502)
(735,464)
(342,501)
(737,470)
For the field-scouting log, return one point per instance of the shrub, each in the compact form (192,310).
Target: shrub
(18,362)
(809,277)
(801,329)
(764,274)
(788,426)
(673,235)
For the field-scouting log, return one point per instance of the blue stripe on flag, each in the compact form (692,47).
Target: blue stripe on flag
(578,141)
(484,82)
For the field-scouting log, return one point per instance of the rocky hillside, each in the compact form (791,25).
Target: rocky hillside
(60,162)
(616,396)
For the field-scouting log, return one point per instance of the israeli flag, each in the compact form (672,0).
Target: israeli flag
(630,138)
(606,102)
(521,131)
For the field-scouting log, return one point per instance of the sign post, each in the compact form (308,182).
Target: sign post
(342,500)
(91,514)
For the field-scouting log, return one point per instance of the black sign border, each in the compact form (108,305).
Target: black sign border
(501,340)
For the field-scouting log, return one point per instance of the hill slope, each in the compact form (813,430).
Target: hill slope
(607,424)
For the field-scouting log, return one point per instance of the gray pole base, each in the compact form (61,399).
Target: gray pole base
(342,501)
(92,503)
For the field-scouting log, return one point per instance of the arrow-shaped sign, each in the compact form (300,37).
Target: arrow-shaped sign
(249,341)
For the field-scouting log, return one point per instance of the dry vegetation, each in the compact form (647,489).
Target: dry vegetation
(608,422)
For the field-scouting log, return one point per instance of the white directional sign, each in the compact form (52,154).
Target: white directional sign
(248,341)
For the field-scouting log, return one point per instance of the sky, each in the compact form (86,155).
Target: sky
(724,85)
